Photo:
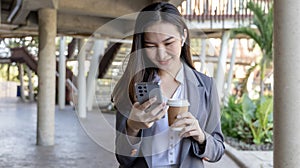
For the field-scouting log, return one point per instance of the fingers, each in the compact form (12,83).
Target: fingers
(191,127)
(190,130)
(136,105)
(147,104)
(157,113)
(192,133)
(145,113)
(141,119)
(185,115)
(184,119)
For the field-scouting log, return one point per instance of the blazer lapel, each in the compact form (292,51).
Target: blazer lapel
(195,91)
(191,87)
(196,95)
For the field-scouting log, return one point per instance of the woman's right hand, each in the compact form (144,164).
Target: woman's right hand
(140,119)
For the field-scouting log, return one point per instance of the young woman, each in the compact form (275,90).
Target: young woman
(160,53)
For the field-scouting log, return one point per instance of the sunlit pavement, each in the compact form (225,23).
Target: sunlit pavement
(73,148)
(87,143)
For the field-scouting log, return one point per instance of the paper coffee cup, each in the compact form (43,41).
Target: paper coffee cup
(176,106)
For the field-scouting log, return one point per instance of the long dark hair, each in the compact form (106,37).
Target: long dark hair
(142,67)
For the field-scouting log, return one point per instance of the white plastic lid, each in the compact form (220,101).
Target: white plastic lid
(178,102)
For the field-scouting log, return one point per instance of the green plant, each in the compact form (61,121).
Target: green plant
(258,116)
(233,124)
(263,36)
(248,120)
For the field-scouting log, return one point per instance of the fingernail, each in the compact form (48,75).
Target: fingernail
(153,99)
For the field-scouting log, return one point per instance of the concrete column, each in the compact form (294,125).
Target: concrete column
(62,74)
(21,74)
(188,7)
(98,49)
(210,68)
(46,73)
(230,73)
(30,86)
(222,64)
(203,54)
(81,81)
(229,7)
(286,84)
(8,71)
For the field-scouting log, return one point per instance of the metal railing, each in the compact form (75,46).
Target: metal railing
(220,10)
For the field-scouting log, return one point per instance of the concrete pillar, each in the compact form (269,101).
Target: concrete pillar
(8,71)
(81,81)
(230,73)
(62,74)
(203,54)
(21,74)
(98,49)
(188,7)
(229,7)
(222,64)
(286,84)
(30,85)
(210,68)
(46,73)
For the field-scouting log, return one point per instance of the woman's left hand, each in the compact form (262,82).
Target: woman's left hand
(190,127)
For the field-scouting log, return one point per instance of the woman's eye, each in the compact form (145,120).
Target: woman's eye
(169,43)
(149,46)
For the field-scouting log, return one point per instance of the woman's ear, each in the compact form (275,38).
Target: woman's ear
(182,41)
(183,37)
(185,33)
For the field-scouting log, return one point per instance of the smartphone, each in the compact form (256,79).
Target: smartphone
(147,90)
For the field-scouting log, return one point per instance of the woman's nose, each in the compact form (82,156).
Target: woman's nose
(161,52)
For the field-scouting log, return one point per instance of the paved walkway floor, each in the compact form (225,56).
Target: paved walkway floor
(87,143)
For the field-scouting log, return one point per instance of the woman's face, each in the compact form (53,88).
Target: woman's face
(163,46)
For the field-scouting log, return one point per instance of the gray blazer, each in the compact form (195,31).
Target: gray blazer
(202,95)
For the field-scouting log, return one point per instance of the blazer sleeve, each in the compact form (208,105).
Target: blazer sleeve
(126,153)
(213,148)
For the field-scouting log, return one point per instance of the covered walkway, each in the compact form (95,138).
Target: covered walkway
(73,147)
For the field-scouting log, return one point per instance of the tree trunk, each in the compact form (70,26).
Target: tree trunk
(262,77)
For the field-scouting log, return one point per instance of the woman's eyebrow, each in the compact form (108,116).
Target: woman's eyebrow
(167,39)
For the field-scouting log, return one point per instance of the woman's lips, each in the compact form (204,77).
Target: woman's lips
(165,62)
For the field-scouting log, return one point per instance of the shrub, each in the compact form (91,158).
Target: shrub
(248,120)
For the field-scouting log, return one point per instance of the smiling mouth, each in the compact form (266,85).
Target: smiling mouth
(163,62)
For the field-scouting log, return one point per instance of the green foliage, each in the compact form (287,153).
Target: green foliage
(263,36)
(9,72)
(28,41)
(233,124)
(249,120)
(264,24)
(244,83)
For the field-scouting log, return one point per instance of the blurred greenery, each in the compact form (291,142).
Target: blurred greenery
(263,37)
(9,72)
(248,120)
